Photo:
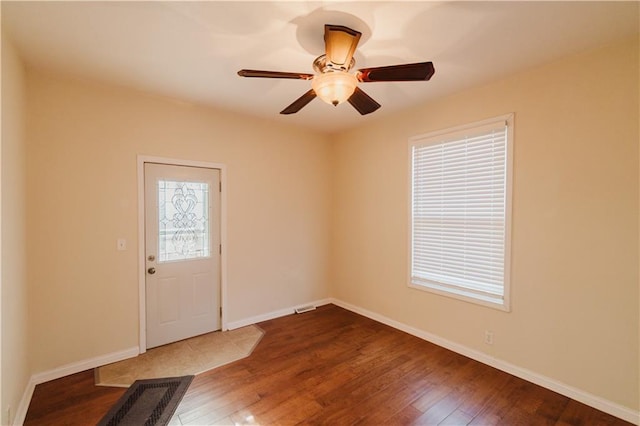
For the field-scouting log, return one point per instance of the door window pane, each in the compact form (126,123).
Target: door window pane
(183,219)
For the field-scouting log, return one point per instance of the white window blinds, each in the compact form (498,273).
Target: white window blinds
(459,212)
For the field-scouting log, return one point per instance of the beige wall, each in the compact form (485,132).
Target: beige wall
(83,143)
(294,197)
(15,353)
(575,281)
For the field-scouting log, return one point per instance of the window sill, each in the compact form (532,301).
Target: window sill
(494,303)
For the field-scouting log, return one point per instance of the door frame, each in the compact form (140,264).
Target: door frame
(141,160)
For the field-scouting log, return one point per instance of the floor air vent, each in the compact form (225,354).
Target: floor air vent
(304,309)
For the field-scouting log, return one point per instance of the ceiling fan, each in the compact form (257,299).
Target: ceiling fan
(334,84)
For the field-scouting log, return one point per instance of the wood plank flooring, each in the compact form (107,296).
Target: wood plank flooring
(331,366)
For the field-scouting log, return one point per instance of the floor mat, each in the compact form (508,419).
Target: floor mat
(148,402)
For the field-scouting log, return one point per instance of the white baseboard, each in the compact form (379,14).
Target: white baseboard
(66,370)
(274,314)
(587,398)
(77,367)
(21,412)
(594,401)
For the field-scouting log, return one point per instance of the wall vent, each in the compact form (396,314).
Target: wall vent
(304,309)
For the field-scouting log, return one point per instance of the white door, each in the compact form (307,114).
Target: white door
(182,249)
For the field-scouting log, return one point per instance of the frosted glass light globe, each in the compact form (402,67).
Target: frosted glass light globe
(334,87)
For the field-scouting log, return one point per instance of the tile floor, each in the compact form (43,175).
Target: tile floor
(191,356)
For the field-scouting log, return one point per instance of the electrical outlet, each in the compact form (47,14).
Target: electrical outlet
(122,244)
(488,337)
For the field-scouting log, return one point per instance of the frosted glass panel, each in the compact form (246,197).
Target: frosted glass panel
(183,219)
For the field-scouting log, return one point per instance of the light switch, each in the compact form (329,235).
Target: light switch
(122,244)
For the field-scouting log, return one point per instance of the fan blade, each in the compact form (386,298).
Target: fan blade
(421,71)
(275,74)
(299,103)
(340,44)
(363,102)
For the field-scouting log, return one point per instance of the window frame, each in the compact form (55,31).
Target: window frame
(442,136)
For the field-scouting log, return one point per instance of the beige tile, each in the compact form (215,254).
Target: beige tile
(191,356)
(247,344)
(251,331)
(210,344)
(220,357)
(175,421)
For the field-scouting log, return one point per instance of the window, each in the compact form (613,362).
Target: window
(460,211)
(183,220)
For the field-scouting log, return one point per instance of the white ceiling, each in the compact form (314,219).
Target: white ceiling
(193,50)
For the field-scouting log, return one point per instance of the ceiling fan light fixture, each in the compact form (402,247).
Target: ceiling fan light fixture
(334,87)
(332,81)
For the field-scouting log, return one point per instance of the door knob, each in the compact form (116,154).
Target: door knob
(151,271)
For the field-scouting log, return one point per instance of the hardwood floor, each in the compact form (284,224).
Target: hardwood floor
(331,366)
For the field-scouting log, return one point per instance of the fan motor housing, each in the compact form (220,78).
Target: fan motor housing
(321,65)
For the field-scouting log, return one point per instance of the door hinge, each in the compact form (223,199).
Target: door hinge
(220,311)
(220,248)
(220,185)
